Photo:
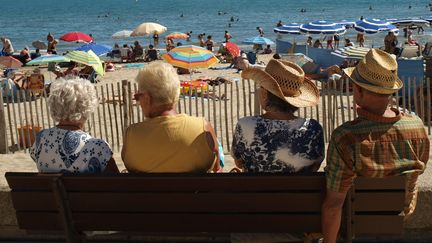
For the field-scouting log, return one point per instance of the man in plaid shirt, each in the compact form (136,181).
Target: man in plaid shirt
(381,142)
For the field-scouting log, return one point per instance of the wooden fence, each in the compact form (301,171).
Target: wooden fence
(23,114)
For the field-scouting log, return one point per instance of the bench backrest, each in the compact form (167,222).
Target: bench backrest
(215,203)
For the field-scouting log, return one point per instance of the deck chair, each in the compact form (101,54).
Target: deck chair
(124,54)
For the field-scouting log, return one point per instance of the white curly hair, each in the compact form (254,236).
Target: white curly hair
(72,99)
(161,81)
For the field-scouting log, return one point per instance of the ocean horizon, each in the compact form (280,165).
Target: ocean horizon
(25,21)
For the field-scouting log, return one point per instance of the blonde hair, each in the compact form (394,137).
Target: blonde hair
(161,81)
(72,99)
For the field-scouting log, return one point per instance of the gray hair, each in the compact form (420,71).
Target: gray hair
(72,99)
(161,81)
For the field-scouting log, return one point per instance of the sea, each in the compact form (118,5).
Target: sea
(24,21)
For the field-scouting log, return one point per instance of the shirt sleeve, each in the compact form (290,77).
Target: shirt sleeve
(100,153)
(339,169)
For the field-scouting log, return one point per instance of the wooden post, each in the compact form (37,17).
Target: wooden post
(125,96)
(3,133)
(257,107)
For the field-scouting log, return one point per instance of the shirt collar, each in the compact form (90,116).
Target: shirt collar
(372,117)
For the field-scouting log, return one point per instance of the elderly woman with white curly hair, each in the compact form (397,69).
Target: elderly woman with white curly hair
(167,141)
(66,147)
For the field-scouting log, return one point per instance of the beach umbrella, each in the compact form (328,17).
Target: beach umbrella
(373,26)
(348,24)
(88,58)
(48,59)
(292,28)
(76,37)
(322,27)
(176,35)
(258,40)
(232,48)
(190,57)
(98,49)
(148,29)
(39,44)
(406,22)
(122,34)
(10,62)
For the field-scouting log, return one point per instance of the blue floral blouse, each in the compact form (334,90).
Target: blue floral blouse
(59,150)
(289,146)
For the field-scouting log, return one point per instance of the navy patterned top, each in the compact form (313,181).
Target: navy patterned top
(60,150)
(288,146)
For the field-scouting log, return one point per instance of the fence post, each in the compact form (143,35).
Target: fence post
(3,134)
(125,97)
(257,106)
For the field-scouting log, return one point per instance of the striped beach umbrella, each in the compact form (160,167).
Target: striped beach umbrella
(48,59)
(258,40)
(176,35)
(373,26)
(190,57)
(322,27)
(98,49)
(88,58)
(406,22)
(122,34)
(293,29)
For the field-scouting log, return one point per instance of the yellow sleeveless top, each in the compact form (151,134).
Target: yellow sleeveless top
(168,144)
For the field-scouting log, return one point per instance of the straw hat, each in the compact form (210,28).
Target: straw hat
(287,81)
(376,72)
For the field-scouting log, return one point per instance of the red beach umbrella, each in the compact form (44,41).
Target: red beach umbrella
(10,62)
(233,49)
(76,37)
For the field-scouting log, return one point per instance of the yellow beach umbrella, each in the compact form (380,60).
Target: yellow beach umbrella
(88,58)
(148,28)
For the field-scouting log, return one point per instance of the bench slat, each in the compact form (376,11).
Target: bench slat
(378,225)
(171,182)
(379,201)
(216,223)
(163,202)
(198,202)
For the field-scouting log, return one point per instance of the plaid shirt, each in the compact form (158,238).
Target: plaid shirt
(374,146)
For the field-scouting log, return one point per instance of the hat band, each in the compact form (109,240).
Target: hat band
(356,76)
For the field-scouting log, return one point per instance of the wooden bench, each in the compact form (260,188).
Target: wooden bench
(207,203)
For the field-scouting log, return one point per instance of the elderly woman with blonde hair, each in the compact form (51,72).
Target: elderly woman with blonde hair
(167,141)
(66,147)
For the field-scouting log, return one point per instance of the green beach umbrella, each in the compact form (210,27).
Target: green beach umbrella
(88,58)
(48,59)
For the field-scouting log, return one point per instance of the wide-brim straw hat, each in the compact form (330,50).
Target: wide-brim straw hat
(376,72)
(287,81)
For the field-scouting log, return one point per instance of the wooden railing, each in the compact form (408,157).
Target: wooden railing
(23,114)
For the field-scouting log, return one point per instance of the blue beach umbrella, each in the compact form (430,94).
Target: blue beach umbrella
(258,40)
(292,28)
(373,26)
(322,27)
(98,49)
(47,59)
(409,22)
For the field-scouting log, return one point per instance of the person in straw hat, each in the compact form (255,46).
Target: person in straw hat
(381,142)
(278,141)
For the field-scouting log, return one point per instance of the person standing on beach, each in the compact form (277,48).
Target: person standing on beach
(189,36)
(8,49)
(360,39)
(52,44)
(260,31)
(390,43)
(155,39)
(209,43)
(381,142)
(227,36)
(201,39)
